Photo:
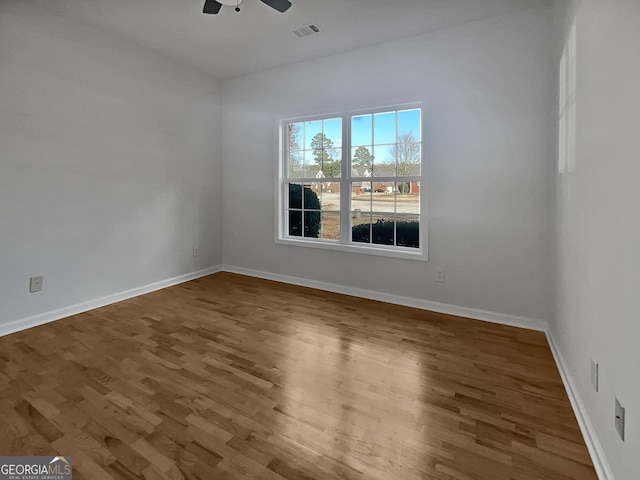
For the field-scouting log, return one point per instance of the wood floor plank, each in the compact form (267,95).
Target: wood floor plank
(230,377)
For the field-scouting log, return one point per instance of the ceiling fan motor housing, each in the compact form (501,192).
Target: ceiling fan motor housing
(213,6)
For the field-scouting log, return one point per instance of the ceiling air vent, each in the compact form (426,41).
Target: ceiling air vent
(306,30)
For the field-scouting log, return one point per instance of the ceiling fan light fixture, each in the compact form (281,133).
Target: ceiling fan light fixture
(214,6)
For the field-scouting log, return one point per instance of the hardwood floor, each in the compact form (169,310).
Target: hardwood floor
(230,377)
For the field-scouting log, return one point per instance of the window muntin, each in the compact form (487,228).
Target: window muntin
(354,180)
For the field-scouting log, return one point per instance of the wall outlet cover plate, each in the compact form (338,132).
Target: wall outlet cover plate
(35,284)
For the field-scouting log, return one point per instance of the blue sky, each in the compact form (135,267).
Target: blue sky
(382,127)
(366,130)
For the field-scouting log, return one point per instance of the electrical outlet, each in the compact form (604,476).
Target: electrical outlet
(619,420)
(35,284)
(196,251)
(440,275)
(594,374)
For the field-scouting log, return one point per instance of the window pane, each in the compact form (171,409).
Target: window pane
(361,212)
(333,169)
(563,81)
(330,225)
(382,229)
(295,135)
(384,161)
(361,227)
(330,198)
(296,164)
(409,124)
(562,139)
(295,195)
(384,128)
(361,128)
(362,188)
(407,198)
(311,199)
(335,154)
(333,188)
(409,158)
(312,129)
(571,137)
(408,231)
(332,163)
(295,223)
(361,161)
(382,194)
(295,156)
(311,168)
(318,188)
(312,221)
(333,130)
(361,197)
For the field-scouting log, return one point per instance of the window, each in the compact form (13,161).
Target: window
(567,105)
(352,181)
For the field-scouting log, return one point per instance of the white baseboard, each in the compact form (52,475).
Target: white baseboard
(50,316)
(598,458)
(46,317)
(512,320)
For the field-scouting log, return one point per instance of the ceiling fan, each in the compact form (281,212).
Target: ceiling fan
(213,6)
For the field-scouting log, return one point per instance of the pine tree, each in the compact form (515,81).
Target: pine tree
(362,158)
(323,149)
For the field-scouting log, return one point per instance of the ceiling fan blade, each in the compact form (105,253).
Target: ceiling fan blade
(211,6)
(279,5)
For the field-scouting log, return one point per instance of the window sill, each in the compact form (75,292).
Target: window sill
(368,249)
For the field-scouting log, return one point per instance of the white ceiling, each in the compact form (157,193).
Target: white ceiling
(259,38)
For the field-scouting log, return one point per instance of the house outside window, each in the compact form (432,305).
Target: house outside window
(352,181)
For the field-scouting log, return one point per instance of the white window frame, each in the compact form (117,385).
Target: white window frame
(345,244)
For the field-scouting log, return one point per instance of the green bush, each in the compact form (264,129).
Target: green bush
(408,233)
(312,219)
(404,188)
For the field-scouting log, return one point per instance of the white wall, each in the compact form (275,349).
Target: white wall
(599,226)
(110,164)
(490,150)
